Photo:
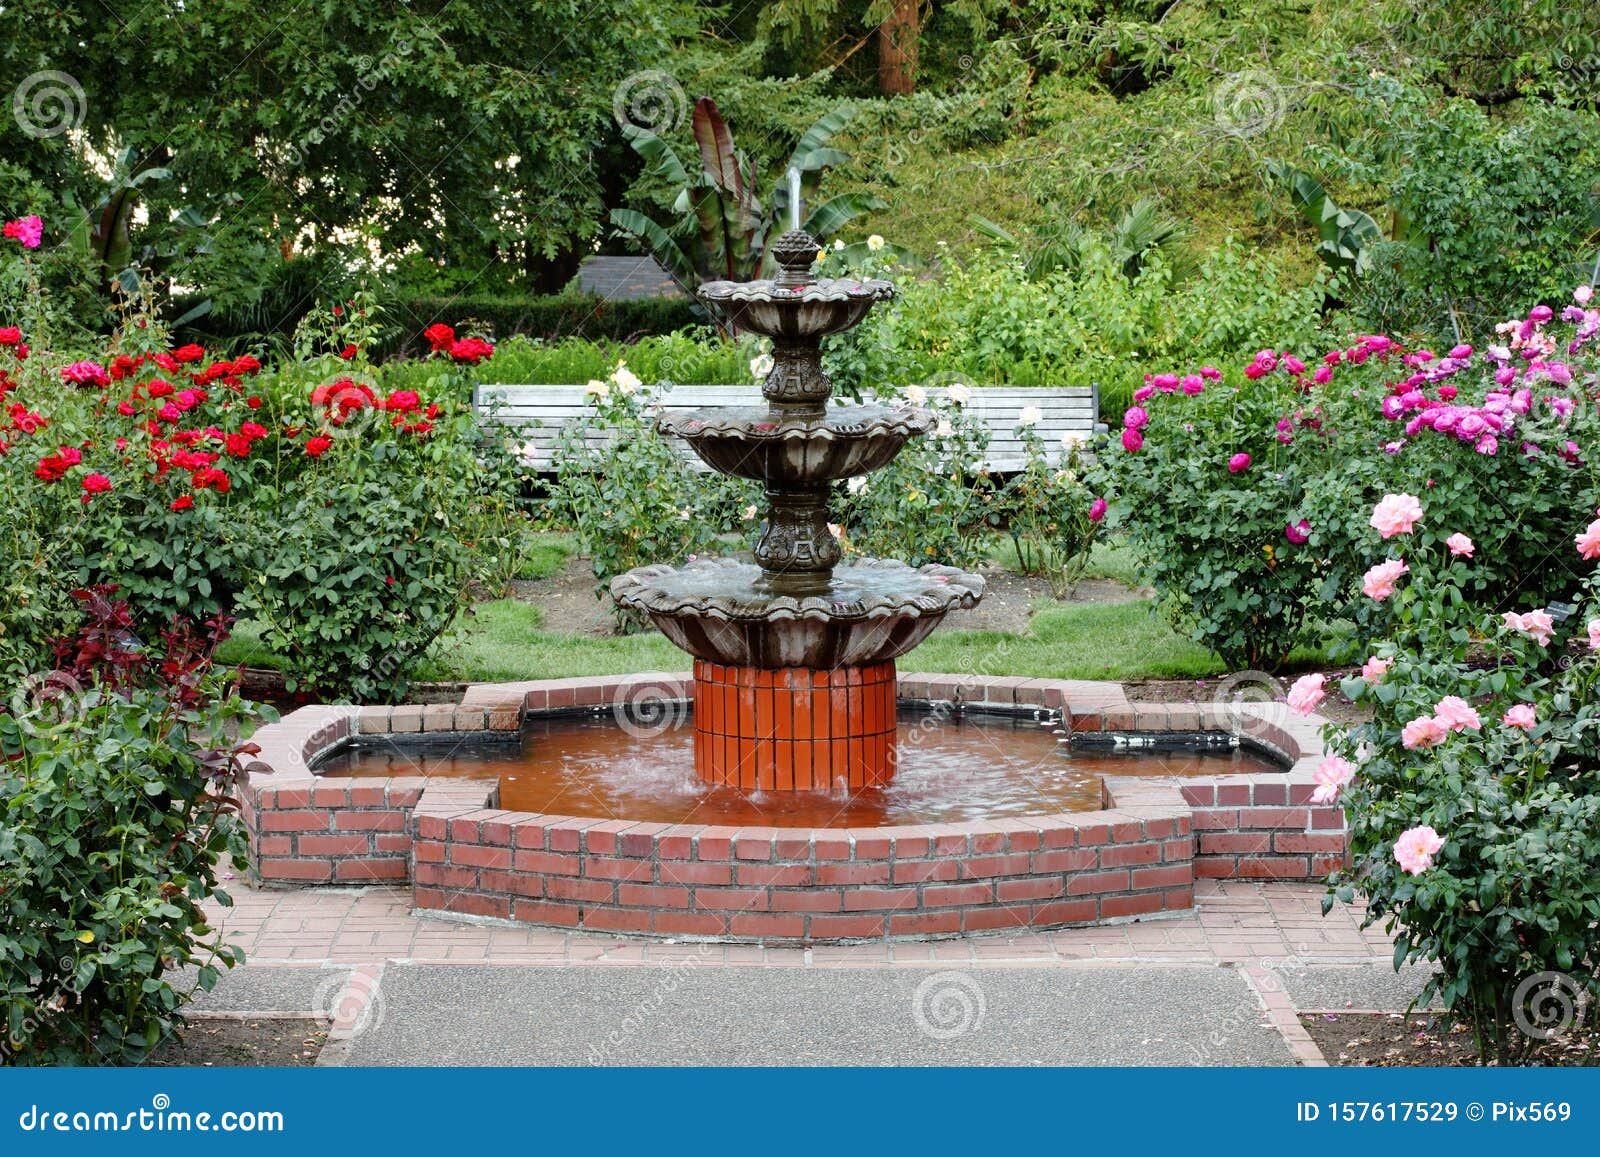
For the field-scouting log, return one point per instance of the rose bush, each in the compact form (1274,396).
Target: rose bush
(346,519)
(1250,500)
(1473,791)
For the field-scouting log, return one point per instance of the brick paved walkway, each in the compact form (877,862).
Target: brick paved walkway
(1234,923)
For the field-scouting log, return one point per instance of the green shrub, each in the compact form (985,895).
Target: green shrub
(633,499)
(987,322)
(115,817)
(932,503)
(1048,510)
(554,317)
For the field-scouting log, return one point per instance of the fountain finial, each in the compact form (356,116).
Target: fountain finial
(794,252)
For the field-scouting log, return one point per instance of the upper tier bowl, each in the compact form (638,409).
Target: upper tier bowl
(804,312)
(753,442)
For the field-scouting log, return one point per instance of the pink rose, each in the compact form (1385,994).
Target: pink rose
(28,230)
(1375,668)
(1415,849)
(1589,541)
(1522,715)
(1331,775)
(1423,731)
(1097,510)
(1594,634)
(1378,583)
(1238,463)
(1537,625)
(1132,440)
(1298,533)
(1454,713)
(1582,294)
(1135,418)
(1193,384)
(1306,693)
(1396,514)
(1143,393)
(1460,545)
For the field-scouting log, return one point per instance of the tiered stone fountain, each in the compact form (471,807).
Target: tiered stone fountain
(795,653)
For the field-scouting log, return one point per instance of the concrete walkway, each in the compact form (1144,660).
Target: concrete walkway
(1222,985)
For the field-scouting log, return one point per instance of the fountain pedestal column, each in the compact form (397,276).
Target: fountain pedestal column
(794,728)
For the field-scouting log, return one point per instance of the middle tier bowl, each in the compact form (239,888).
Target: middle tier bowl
(719,610)
(754,442)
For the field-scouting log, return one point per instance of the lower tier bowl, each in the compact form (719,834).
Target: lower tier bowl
(873,611)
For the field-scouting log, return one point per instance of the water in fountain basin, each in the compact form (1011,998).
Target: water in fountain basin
(950,769)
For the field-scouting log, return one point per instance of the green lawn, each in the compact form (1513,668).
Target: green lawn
(506,640)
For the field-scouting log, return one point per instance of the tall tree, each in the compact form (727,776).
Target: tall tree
(477,132)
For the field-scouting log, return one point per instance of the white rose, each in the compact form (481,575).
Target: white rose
(597,388)
(1071,440)
(836,530)
(874,243)
(857,484)
(627,381)
(959,394)
(916,395)
(838,244)
(750,512)
(944,429)
(685,514)
(761,366)
(1030,416)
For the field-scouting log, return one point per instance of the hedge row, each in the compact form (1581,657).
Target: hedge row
(547,316)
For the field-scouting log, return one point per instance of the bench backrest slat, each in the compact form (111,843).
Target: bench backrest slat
(538,414)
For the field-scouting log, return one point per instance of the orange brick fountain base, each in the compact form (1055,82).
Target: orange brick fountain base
(794,729)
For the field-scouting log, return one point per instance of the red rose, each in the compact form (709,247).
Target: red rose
(318,446)
(159,389)
(253,403)
(349,352)
(188,353)
(238,445)
(96,484)
(440,336)
(183,502)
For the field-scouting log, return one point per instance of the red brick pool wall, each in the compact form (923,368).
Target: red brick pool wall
(1137,858)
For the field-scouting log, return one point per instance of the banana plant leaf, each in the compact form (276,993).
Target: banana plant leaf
(661,247)
(717,153)
(833,214)
(662,160)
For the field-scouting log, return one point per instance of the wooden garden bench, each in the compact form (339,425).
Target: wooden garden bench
(538,413)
